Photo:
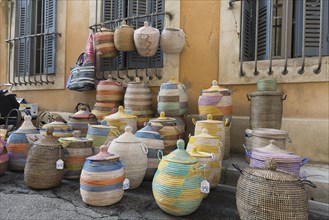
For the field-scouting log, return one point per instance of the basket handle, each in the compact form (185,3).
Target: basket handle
(237,168)
(193,121)
(284,97)
(308,182)
(248,97)
(160,154)
(304,161)
(144,148)
(248,152)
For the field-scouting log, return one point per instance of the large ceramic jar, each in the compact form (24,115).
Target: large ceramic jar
(176,184)
(4,157)
(216,101)
(101,134)
(101,181)
(138,101)
(124,38)
(19,144)
(61,129)
(147,40)
(41,165)
(104,43)
(76,149)
(214,128)
(133,151)
(201,147)
(270,194)
(172,40)
(154,142)
(81,119)
(109,96)
(172,98)
(167,128)
(121,120)
(286,161)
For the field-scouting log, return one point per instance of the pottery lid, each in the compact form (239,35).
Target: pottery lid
(83,113)
(76,138)
(49,139)
(127,137)
(163,119)
(271,173)
(27,126)
(146,29)
(120,114)
(210,120)
(271,148)
(103,155)
(180,155)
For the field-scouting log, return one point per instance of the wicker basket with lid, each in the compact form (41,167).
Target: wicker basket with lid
(147,40)
(124,38)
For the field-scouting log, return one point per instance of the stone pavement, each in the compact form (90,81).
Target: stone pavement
(17,201)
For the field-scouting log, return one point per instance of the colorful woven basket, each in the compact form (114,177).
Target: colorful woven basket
(104,43)
(101,134)
(102,179)
(154,142)
(172,98)
(124,38)
(176,184)
(133,152)
(40,169)
(81,119)
(61,129)
(76,149)
(19,144)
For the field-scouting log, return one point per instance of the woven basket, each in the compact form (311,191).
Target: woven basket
(124,38)
(261,137)
(81,119)
(176,184)
(4,157)
(109,91)
(134,153)
(104,43)
(266,109)
(180,126)
(18,144)
(267,194)
(100,135)
(227,146)
(102,179)
(172,40)
(61,129)
(76,150)
(40,169)
(147,40)
(266,85)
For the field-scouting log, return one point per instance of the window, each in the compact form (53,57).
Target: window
(279,27)
(32,43)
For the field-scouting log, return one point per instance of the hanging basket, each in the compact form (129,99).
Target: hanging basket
(172,40)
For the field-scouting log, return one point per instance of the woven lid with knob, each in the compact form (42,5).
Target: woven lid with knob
(210,120)
(163,119)
(103,155)
(180,155)
(127,137)
(83,113)
(76,138)
(120,114)
(49,139)
(146,29)
(214,88)
(271,148)
(27,126)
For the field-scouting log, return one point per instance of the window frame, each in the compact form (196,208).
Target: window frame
(170,61)
(229,57)
(58,78)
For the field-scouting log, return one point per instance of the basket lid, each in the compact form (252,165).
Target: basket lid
(163,119)
(83,113)
(27,126)
(215,87)
(210,120)
(103,155)
(127,137)
(124,25)
(180,155)
(269,132)
(76,138)
(270,172)
(58,123)
(146,29)
(266,93)
(200,154)
(49,139)
(205,134)
(271,148)
(120,114)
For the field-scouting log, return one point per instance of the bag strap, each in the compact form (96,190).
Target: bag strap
(80,59)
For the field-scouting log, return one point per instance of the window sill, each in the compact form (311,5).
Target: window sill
(58,84)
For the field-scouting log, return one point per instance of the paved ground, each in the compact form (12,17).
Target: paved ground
(17,201)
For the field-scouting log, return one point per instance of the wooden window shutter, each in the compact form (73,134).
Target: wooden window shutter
(312,28)
(249,30)
(113,9)
(23,46)
(264,19)
(49,55)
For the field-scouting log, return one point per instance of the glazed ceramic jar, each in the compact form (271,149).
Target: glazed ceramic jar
(172,98)
(154,142)
(101,181)
(41,171)
(134,153)
(76,149)
(81,119)
(19,144)
(147,40)
(176,184)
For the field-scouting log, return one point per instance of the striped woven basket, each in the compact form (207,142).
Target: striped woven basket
(40,169)
(102,179)
(172,98)
(104,43)
(176,184)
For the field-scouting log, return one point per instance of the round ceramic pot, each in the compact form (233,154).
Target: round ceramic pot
(101,181)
